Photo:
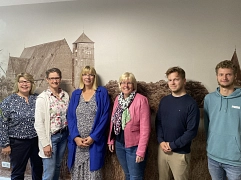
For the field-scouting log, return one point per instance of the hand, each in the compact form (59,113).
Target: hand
(88,141)
(139,159)
(80,142)
(47,151)
(111,147)
(6,150)
(168,146)
(165,147)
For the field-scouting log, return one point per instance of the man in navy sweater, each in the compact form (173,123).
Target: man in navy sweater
(177,124)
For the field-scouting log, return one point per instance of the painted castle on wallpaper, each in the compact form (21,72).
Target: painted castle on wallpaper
(37,59)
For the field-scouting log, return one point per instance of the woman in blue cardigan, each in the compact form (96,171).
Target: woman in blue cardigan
(88,118)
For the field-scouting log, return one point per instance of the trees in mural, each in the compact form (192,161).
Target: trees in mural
(6,87)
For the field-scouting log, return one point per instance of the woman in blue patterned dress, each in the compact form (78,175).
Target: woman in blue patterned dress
(87,116)
(19,138)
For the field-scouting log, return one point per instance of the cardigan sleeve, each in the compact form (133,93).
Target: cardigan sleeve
(39,124)
(145,127)
(111,141)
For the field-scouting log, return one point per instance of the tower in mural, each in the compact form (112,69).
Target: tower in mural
(235,61)
(83,55)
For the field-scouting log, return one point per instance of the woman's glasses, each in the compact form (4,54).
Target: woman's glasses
(24,82)
(54,78)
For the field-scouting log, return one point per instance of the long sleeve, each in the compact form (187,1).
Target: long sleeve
(145,127)
(206,116)
(40,121)
(177,122)
(110,135)
(158,125)
(193,118)
(4,124)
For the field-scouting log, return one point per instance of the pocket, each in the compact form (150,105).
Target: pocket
(135,128)
(224,147)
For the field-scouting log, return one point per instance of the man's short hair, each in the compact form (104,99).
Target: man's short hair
(177,69)
(226,64)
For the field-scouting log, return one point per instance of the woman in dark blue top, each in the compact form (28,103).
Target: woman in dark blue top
(18,137)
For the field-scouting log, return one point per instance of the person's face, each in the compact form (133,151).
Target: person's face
(88,79)
(176,83)
(24,86)
(225,77)
(126,87)
(54,80)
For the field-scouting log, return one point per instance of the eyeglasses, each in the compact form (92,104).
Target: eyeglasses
(24,82)
(126,83)
(54,78)
(90,75)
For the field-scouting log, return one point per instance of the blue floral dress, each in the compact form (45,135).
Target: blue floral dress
(85,114)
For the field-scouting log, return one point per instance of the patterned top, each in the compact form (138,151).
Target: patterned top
(58,108)
(85,113)
(17,118)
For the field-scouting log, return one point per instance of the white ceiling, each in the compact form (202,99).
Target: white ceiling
(20,2)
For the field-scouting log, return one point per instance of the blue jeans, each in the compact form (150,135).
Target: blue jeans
(52,165)
(220,171)
(127,160)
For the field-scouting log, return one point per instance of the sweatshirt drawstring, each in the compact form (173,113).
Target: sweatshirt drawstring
(221,99)
(224,100)
(226,108)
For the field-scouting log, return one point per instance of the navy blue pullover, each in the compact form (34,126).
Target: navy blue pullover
(177,122)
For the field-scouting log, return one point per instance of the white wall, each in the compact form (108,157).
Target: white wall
(145,37)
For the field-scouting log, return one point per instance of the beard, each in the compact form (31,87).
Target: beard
(231,84)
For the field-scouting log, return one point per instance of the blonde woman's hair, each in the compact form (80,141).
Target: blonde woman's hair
(88,70)
(26,76)
(129,76)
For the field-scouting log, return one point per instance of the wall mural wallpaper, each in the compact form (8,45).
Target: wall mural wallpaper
(146,46)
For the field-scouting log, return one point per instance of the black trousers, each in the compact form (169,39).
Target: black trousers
(21,151)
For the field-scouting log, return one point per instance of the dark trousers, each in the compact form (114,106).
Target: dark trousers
(21,151)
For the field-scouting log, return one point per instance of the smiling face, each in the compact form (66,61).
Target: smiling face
(226,77)
(24,86)
(127,87)
(53,80)
(88,79)
(176,84)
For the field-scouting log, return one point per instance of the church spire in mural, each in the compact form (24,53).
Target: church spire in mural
(236,62)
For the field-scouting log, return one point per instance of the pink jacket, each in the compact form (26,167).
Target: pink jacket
(137,130)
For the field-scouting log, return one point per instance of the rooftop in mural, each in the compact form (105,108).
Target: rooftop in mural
(83,39)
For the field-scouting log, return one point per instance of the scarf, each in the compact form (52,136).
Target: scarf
(122,115)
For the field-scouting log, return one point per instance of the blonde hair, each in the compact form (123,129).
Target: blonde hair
(226,64)
(177,69)
(88,70)
(131,77)
(26,76)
